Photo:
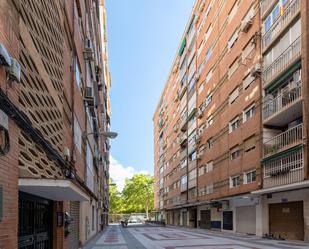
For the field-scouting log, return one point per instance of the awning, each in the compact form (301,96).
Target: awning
(289,187)
(56,190)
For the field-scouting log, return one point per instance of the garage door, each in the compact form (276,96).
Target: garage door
(287,220)
(246,220)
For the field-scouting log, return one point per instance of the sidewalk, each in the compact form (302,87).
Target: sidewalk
(114,237)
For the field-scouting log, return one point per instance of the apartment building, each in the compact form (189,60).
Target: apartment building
(228,130)
(54,112)
(284,197)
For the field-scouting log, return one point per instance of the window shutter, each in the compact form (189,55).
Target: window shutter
(249,143)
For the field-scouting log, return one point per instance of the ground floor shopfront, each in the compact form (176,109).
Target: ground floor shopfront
(280,214)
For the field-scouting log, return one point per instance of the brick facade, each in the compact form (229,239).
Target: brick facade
(50,49)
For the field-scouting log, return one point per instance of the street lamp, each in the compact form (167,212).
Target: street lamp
(106,134)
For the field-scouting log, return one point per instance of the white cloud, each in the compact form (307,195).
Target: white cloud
(119,172)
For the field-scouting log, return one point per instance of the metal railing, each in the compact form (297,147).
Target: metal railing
(285,170)
(282,62)
(265,5)
(281,23)
(284,140)
(282,101)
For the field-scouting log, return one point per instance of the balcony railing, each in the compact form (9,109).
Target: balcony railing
(285,170)
(282,101)
(286,59)
(281,23)
(283,141)
(265,5)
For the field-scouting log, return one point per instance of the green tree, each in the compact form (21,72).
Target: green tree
(115,198)
(138,194)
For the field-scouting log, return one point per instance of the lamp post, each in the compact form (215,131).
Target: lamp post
(106,134)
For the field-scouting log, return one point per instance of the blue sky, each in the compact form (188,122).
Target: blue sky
(143,39)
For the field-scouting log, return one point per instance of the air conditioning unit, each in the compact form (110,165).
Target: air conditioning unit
(88,50)
(88,96)
(67,152)
(256,70)
(246,25)
(14,70)
(5,58)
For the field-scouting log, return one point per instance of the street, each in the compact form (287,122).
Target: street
(146,237)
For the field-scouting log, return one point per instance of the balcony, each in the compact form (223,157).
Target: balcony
(281,23)
(183,154)
(286,169)
(182,90)
(191,36)
(192,165)
(283,62)
(192,183)
(285,107)
(183,170)
(183,187)
(183,122)
(284,141)
(182,140)
(192,147)
(266,5)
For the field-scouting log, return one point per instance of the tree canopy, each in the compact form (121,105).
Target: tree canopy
(137,195)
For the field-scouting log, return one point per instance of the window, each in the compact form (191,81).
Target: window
(192,157)
(208,9)
(233,39)
(208,32)
(234,124)
(247,50)
(249,144)
(77,135)
(209,143)
(233,11)
(247,81)
(209,121)
(92,218)
(235,153)
(248,113)
(77,75)
(233,67)
(250,177)
(208,99)
(183,163)
(184,180)
(234,181)
(201,88)
(233,96)
(208,76)
(208,54)
(209,167)
(267,23)
(192,174)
